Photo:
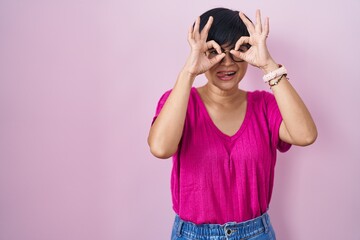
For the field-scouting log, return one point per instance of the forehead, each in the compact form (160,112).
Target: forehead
(227,46)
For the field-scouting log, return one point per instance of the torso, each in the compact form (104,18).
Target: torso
(227,118)
(218,178)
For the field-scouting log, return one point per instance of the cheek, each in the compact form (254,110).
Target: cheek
(242,69)
(209,73)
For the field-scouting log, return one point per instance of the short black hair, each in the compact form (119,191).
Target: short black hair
(226,28)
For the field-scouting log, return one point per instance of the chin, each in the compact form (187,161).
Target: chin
(226,86)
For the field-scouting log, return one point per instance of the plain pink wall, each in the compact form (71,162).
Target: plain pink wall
(79,83)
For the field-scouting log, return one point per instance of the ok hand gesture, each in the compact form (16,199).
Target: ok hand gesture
(258,54)
(198,63)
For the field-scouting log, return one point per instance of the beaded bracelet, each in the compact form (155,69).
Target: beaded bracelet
(274,74)
(271,84)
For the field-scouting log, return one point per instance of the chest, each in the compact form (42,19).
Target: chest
(227,119)
(224,137)
(204,146)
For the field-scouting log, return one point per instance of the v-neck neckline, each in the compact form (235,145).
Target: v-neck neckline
(219,132)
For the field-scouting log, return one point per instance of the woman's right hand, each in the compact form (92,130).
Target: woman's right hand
(198,63)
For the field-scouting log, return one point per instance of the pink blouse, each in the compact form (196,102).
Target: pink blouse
(218,178)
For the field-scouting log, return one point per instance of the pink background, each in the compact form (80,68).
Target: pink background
(79,83)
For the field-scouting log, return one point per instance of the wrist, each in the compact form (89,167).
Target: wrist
(188,70)
(271,66)
(186,74)
(279,71)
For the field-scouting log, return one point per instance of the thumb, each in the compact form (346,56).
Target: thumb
(238,54)
(217,59)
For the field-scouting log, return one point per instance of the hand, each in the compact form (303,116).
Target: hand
(198,62)
(258,54)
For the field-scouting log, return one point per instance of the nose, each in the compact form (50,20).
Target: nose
(227,60)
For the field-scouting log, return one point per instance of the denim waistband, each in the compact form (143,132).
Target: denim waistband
(229,230)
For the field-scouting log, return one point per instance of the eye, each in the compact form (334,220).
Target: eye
(212,51)
(244,48)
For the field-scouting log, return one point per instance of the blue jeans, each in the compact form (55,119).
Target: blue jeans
(258,228)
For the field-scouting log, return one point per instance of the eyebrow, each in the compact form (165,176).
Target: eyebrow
(222,49)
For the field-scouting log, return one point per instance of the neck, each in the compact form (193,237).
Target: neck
(223,97)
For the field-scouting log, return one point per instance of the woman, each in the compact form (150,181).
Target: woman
(223,140)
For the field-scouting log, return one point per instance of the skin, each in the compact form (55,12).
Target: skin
(225,102)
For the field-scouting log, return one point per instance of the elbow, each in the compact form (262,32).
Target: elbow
(160,151)
(308,139)
(312,136)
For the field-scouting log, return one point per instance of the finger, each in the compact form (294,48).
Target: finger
(244,56)
(258,25)
(217,59)
(266,27)
(243,40)
(196,33)
(215,45)
(190,34)
(205,30)
(238,54)
(249,25)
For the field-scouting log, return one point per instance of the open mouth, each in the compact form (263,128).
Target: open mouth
(225,75)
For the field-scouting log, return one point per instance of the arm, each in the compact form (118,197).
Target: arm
(298,127)
(166,132)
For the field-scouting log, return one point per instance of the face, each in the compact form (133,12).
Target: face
(227,74)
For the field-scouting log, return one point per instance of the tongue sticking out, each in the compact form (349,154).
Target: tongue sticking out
(225,75)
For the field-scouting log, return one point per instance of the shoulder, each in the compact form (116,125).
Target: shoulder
(166,94)
(162,100)
(193,96)
(163,97)
(193,93)
(260,96)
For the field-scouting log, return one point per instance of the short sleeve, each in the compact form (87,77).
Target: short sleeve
(160,105)
(274,119)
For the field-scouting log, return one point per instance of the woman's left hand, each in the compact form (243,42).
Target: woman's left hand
(258,54)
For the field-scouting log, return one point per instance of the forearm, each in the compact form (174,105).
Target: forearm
(166,132)
(300,128)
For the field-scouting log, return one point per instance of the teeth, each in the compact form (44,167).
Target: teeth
(230,73)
